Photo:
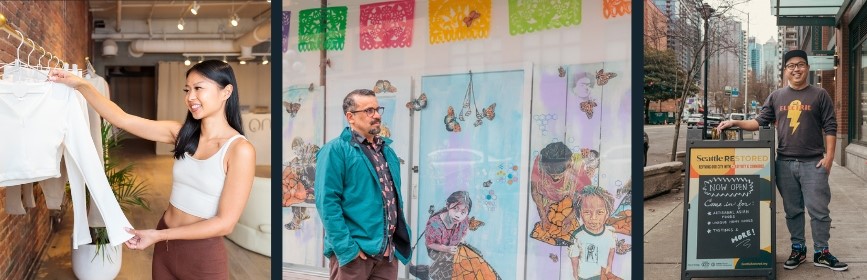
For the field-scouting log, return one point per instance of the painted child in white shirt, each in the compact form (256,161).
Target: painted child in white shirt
(592,251)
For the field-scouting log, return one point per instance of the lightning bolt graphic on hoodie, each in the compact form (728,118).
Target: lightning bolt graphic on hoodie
(794,114)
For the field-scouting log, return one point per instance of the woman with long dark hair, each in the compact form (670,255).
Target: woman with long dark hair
(444,231)
(213,171)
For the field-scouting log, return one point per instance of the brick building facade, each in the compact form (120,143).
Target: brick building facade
(62,28)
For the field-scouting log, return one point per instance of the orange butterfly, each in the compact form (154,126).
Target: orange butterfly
(561,224)
(469,264)
(475,224)
(417,104)
(602,77)
(489,112)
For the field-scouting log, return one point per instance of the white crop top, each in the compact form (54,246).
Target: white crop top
(198,183)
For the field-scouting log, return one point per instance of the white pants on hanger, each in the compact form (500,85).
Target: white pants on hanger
(15,203)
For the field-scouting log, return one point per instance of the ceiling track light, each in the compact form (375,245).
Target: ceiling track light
(181,24)
(224,59)
(264,60)
(195,8)
(201,58)
(243,62)
(234,19)
(187,62)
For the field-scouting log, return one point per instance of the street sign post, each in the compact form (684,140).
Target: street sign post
(729,223)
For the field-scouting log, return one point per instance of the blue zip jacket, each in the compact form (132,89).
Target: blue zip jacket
(349,201)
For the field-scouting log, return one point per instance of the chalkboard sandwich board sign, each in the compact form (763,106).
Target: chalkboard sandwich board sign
(728,215)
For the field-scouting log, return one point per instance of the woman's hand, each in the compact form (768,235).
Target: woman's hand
(66,78)
(452,249)
(142,238)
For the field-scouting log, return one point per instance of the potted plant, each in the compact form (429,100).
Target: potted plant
(99,260)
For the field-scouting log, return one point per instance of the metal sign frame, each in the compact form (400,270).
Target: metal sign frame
(765,141)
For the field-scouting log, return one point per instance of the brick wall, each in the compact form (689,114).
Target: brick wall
(841,89)
(664,106)
(61,27)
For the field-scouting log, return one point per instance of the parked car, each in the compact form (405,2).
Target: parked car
(694,119)
(737,117)
(714,119)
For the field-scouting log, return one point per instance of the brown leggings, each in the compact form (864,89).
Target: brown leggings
(190,259)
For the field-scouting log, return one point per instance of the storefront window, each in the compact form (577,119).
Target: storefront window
(861,99)
(503,117)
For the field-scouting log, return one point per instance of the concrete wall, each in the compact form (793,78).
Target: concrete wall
(662,178)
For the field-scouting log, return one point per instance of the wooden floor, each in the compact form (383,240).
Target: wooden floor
(156,170)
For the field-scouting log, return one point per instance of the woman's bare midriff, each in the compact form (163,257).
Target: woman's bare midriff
(174,217)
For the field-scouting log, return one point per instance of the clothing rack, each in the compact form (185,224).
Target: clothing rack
(4,25)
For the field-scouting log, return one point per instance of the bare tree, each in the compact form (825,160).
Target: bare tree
(687,42)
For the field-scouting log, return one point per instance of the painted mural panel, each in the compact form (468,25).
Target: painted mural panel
(469,154)
(577,209)
(302,136)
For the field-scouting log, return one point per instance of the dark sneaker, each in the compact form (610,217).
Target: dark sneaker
(797,257)
(825,259)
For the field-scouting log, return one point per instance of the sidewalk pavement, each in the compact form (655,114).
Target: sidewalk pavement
(663,233)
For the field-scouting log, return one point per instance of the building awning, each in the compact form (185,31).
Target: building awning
(807,12)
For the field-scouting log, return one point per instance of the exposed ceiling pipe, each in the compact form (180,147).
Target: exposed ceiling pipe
(138,36)
(260,34)
(243,44)
(119,9)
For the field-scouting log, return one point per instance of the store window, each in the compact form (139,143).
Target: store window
(861,98)
(504,116)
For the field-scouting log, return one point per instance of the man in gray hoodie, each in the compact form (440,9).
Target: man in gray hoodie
(806,135)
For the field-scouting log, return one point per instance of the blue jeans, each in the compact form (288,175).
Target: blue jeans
(802,184)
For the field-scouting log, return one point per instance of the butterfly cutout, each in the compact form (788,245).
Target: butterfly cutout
(470,18)
(602,77)
(587,108)
(383,86)
(450,122)
(622,247)
(487,184)
(291,108)
(489,112)
(553,257)
(417,104)
(475,224)
(562,71)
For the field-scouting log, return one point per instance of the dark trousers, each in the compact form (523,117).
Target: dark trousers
(190,259)
(364,269)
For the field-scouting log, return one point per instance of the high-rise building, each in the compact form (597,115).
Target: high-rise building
(684,33)
(756,65)
(771,61)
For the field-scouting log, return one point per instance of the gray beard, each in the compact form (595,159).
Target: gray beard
(374,131)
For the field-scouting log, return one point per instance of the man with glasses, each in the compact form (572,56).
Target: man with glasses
(804,118)
(357,195)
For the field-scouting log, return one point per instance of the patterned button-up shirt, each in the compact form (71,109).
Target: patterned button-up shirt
(377,158)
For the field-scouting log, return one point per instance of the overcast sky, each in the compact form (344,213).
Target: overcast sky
(763,25)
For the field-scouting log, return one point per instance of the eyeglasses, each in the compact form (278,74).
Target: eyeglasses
(370,111)
(800,65)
